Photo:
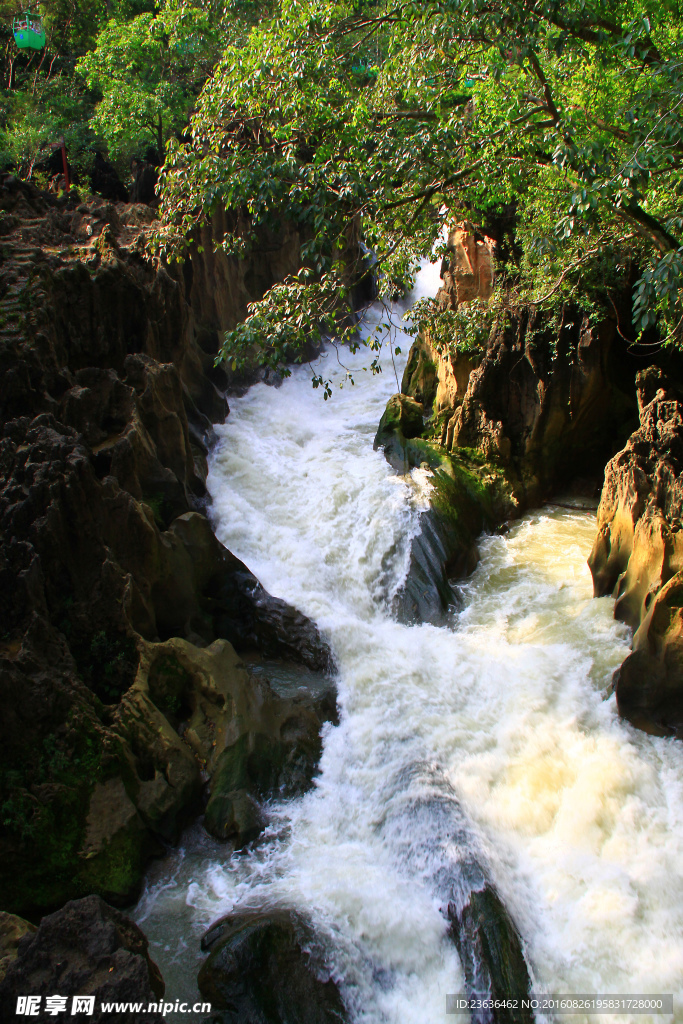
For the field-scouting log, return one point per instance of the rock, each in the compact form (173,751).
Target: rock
(468,269)
(638,557)
(262,970)
(503,426)
(463,502)
(199,712)
(491,954)
(86,948)
(107,394)
(12,930)
(114,844)
(278,754)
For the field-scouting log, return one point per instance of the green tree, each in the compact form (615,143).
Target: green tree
(570,113)
(148,71)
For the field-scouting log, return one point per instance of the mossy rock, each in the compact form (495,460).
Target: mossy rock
(402,420)
(420,377)
(256,766)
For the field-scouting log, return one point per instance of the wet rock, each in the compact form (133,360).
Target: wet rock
(87,948)
(491,954)
(264,968)
(12,930)
(278,753)
(638,554)
(402,420)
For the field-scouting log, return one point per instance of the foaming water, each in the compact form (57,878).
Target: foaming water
(483,748)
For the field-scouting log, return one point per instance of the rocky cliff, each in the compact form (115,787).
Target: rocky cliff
(110,726)
(543,401)
(638,557)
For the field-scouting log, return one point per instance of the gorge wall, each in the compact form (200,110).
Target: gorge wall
(542,407)
(638,557)
(122,614)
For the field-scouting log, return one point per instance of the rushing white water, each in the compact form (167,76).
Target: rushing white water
(491,736)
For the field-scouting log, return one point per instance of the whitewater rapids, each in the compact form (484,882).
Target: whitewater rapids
(576,816)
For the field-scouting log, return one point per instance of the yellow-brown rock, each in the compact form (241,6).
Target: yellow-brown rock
(638,557)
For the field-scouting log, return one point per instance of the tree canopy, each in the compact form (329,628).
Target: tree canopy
(402,116)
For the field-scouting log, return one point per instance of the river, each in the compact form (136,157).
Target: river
(489,738)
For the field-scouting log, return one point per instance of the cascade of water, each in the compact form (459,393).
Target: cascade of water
(486,747)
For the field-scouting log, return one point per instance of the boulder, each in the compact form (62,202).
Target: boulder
(491,954)
(638,557)
(85,949)
(265,968)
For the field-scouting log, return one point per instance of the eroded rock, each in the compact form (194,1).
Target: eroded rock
(265,968)
(89,949)
(12,930)
(638,557)
(107,393)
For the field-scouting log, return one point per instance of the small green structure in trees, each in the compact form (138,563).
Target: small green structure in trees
(28,31)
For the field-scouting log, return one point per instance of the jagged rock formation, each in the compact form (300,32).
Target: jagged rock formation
(468,272)
(85,949)
(262,968)
(503,426)
(638,557)
(107,395)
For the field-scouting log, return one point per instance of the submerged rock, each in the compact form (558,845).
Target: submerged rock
(262,969)
(85,949)
(491,954)
(638,554)
(433,840)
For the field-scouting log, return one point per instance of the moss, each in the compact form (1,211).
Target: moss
(44,804)
(116,873)
(420,377)
(169,683)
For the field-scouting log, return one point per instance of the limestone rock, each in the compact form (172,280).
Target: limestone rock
(12,930)
(503,426)
(638,556)
(261,970)
(468,271)
(86,948)
(107,395)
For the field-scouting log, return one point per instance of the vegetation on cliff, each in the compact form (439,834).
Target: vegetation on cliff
(556,131)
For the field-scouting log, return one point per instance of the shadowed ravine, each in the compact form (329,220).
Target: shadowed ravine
(474,758)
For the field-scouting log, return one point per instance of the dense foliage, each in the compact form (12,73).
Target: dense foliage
(557,127)
(118,76)
(565,118)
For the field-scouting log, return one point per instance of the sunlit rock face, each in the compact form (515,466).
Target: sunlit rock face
(468,271)
(638,556)
(539,407)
